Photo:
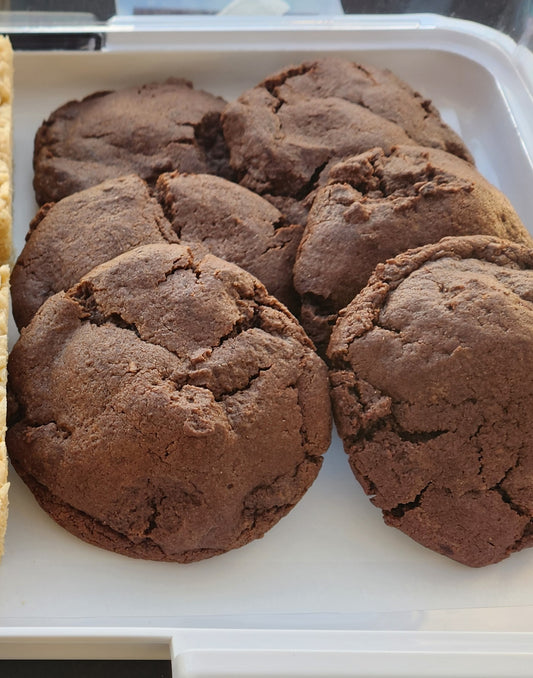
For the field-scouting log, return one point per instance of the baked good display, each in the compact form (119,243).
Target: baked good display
(234,224)
(163,405)
(432,395)
(380,203)
(69,238)
(283,133)
(144,130)
(6,190)
(166,406)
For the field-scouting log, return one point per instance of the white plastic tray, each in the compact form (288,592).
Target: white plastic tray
(331,572)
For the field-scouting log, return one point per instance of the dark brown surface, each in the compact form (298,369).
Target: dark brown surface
(146,130)
(433,398)
(379,204)
(234,224)
(69,238)
(167,407)
(283,133)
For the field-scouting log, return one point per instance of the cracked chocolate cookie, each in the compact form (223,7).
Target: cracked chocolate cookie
(380,203)
(69,238)
(433,396)
(234,224)
(283,133)
(167,407)
(144,130)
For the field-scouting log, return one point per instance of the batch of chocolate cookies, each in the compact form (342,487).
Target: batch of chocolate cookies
(205,282)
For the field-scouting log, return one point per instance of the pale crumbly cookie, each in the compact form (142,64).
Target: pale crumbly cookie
(6,142)
(6,190)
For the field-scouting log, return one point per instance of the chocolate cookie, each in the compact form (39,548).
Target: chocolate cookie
(167,407)
(379,204)
(143,130)
(283,133)
(234,224)
(69,238)
(433,396)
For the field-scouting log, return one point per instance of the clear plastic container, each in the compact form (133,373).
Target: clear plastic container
(329,591)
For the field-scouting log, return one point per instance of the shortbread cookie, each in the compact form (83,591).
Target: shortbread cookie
(6,190)
(143,130)
(433,395)
(379,204)
(167,407)
(6,143)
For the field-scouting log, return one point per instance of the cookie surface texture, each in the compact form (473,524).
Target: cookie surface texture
(144,130)
(180,410)
(433,398)
(234,224)
(69,238)
(378,204)
(283,133)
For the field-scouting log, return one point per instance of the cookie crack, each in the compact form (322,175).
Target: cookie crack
(255,513)
(276,247)
(63,431)
(426,105)
(281,222)
(161,227)
(362,69)
(167,202)
(274,83)
(366,183)
(401,509)
(178,265)
(242,324)
(417,437)
(387,327)
(480,459)
(152,519)
(322,305)
(97,318)
(505,495)
(207,131)
(302,430)
(240,389)
(312,182)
